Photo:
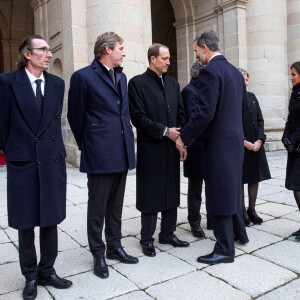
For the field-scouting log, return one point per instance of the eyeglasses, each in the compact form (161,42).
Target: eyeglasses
(44,49)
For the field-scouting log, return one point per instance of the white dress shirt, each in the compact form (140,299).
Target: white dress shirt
(32,80)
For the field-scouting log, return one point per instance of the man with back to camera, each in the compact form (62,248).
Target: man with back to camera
(157,112)
(222,97)
(98,114)
(30,131)
(194,164)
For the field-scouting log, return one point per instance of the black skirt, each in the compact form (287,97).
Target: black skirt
(292,181)
(255,166)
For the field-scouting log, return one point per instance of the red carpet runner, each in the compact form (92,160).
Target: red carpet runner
(2,159)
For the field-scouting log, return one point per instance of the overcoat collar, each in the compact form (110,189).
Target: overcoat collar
(156,77)
(217,57)
(27,101)
(101,71)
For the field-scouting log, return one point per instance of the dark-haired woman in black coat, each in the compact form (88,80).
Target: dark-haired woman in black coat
(255,166)
(291,139)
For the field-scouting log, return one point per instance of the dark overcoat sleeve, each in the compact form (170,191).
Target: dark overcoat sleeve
(5,105)
(76,106)
(208,92)
(180,109)
(138,113)
(260,122)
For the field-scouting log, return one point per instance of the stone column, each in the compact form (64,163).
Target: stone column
(232,31)
(129,19)
(293,31)
(267,63)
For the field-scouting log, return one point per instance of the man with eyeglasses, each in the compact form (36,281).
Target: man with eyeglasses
(31,103)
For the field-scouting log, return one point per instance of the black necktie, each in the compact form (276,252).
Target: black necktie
(112,76)
(39,95)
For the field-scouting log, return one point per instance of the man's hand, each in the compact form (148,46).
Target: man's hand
(183,155)
(180,145)
(174,133)
(257,145)
(249,145)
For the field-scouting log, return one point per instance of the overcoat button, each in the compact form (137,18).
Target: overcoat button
(54,138)
(36,140)
(55,159)
(56,116)
(38,161)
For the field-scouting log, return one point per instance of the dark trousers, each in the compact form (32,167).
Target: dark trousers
(225,229)
(106,195)
(168,225)
(48,248)
(194,201)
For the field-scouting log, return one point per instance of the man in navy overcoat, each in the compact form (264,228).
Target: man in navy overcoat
(31,103)
(98,114)
(221,98)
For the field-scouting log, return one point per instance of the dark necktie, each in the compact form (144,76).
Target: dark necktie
(39,95)
(112,76)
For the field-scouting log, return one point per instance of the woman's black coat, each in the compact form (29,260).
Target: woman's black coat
(292,132)
(255,166)
(153,107)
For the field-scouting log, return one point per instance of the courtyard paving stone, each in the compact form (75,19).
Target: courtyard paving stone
(196,285)
(257,239)
(275,209)
(152,270)
(285,254)
(87,286)
(8,253)
(252,275)
(134,296)
(290,291)
(3,237)
(282,227)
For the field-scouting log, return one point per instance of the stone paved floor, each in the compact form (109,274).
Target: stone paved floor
(268,267)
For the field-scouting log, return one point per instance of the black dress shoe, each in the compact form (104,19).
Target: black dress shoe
(30,290)
(254,217)
(120,255)
(100,267)
(215,258)
(246,218)
(148,249)
(55,281)
(297,238)
(198,232)
(296,233)
(174,242)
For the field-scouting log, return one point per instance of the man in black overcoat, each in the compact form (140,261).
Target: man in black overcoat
(194,164)
(98,113)
(31,103)
(221,99)
(157,112)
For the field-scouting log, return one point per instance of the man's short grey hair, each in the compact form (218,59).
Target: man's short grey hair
(108,39)
(195,69)
(210,39)
(244,72)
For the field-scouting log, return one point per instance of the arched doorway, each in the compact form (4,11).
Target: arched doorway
(163,31)
(16,22)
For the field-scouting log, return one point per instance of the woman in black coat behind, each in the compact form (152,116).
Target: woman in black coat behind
(255,166)
(291,139)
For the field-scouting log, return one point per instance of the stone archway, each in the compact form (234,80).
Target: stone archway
(16,22)
(163,30)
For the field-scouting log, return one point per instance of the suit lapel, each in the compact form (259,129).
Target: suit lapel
(26,99)
(51,100)
(98,70)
